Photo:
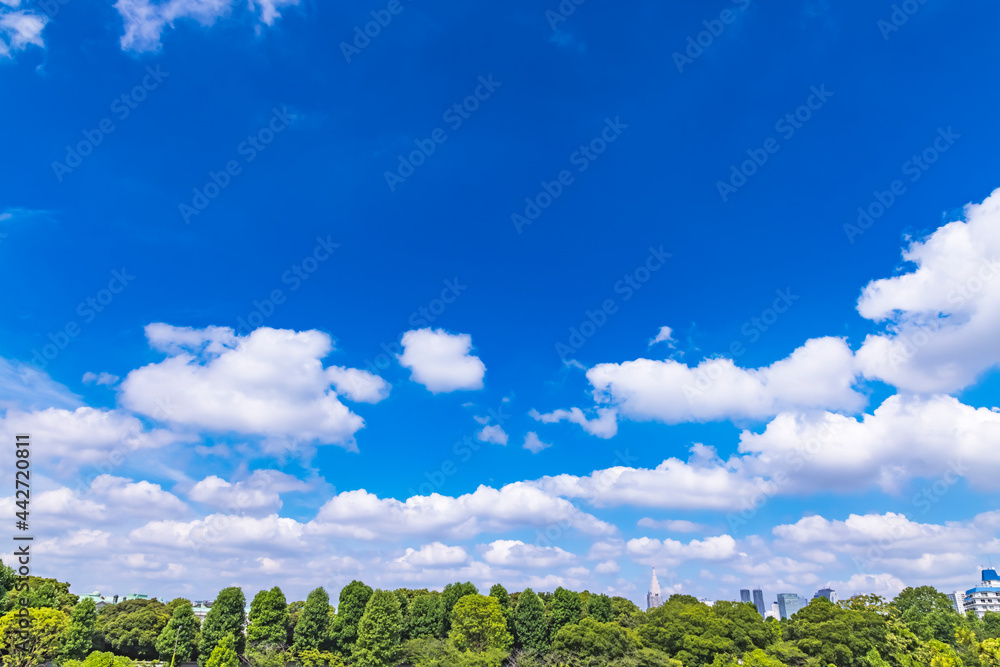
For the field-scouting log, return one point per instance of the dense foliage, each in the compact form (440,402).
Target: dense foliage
(459,627)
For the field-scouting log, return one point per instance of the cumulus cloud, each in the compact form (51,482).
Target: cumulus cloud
(260,493)
(441,361)
(515,553)
(702,482)
(358,385)
(941,318)
(435,554)
(363,515)
(19,29)
(84,435)
(818,375)
(145,20)
(905,437)
(271,383)
(493,434)
(672,552)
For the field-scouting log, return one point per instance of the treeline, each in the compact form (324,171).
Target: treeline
(459,627)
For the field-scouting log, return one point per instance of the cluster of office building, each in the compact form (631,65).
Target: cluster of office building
(979,599)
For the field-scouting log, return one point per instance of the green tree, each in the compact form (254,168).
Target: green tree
(101,659)
(179,639)
(351,607)
(624,611)
(591,639)
(746,627)
(224,618)
(928,612)
(7,579)
(426,617)
(566,609)
(130,628)
(379,631)
(991,625)
(529,622)
(687,630)
(268,618)
(503,597)
(478,623)
(79,640)
(224,653)
(43,641)
(599,608)
(451,594)
(313,628)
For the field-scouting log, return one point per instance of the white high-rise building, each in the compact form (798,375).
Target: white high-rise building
(958,600)
(986,596)
(653,596)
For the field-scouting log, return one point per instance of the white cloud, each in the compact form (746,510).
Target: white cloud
(905,437)
(84,435)
(607,567)
(26,388)
(102,378)
(493,434)
(441,361)
(664,335)
(435,554)
(515,553)
(672,552)
(943,317)
(820,374)
(20,29)
(365,516)
(533,443)
(145,20)
(260,493)
(221,533)
(358,385)
(605,425)
(270,383)
(703,482)
(671,525)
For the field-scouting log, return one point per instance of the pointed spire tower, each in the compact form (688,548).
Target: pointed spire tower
(653,597)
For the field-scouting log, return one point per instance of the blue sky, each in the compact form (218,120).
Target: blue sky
(337,283)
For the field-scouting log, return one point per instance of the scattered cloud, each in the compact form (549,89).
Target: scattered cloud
(441,361)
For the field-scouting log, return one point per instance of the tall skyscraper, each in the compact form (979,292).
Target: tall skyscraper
(789,603)
(758,601)
(653,596)
(827,593)
(744,595)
